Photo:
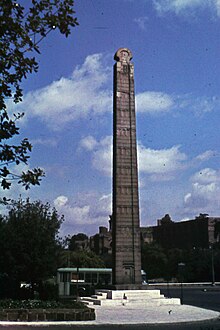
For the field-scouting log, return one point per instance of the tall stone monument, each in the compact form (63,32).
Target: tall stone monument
(125,217)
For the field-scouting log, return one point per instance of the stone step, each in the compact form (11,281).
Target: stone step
(101,293)
(134,294)
(87,303)
(142,298)
(94,296)
(88,300)
(170,301)
(146,303)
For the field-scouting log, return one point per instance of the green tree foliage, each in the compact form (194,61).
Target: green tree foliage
(198,265)
(29,242)
(163,263)
(154,260)
(174,257)
(216,255)
(80,259)
(21,31)
(3,240)
(217,232)
(73,242)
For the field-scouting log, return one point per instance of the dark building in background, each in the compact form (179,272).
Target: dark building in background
(197,233)
(201,232)
(101,243)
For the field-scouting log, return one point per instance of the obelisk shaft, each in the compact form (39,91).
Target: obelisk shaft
(125,220)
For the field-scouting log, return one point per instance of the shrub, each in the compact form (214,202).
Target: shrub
(35,304)
(48,291)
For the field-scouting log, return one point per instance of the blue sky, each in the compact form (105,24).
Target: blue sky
(68,107)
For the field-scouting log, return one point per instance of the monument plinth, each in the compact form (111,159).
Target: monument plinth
(125,217)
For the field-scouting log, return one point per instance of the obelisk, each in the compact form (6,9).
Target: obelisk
(125,218)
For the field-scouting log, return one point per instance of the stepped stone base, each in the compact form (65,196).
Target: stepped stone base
(130,297)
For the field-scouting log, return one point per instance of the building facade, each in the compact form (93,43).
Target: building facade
(197,233)
(201,232)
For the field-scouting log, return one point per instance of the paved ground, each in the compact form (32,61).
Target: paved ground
(207,297)
(136,314)
(151,315)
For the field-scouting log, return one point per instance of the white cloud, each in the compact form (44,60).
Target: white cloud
(101,153)
(205,190)
(85,213)
(68,99)
(44,141)
(197,105)
(158,164)
(186,6)
(87,92)
(217,4)
(206,155)
(60,201)
(141,22)
(88,143)
(102,157)
(201,195)
(204,104)
(161,164)
(206,175)
(154,102)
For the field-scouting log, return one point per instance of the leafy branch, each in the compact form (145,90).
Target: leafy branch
(21,32)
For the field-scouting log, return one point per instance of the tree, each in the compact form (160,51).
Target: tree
(21,31)
(197,265)
(82,258)
(154,260)
(217,231)
(30,244)
(79,241)
(174,257)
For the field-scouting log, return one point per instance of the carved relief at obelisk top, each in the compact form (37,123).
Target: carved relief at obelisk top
(123,55)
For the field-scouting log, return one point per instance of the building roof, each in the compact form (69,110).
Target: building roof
(89,270)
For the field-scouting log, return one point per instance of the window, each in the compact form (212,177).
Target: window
(88,277)
(105,279)
(64,277)
(94,277)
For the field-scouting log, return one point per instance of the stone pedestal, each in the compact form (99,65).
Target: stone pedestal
(130,297)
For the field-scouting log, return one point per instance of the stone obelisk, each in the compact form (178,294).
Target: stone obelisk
(125,217)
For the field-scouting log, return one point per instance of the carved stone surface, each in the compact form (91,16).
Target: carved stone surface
(125,220)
